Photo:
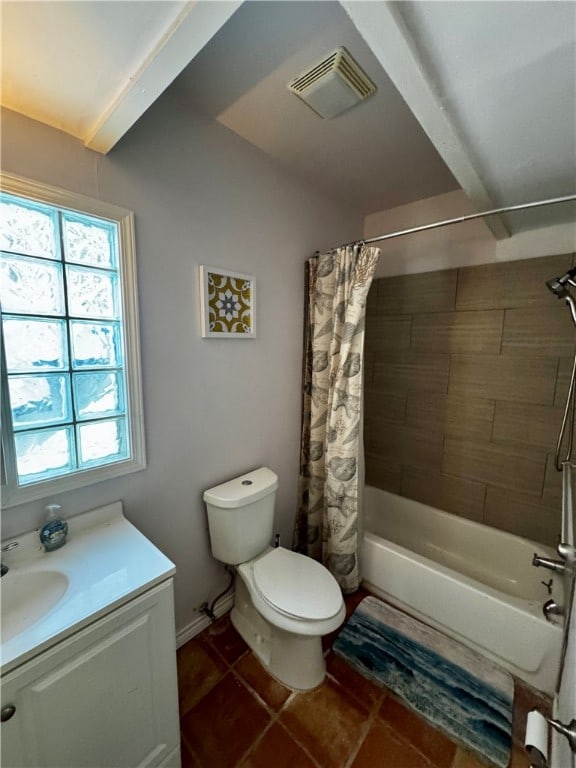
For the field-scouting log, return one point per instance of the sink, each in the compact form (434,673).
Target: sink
(27,596)
(49,596)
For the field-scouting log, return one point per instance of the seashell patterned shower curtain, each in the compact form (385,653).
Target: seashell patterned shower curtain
(327,517)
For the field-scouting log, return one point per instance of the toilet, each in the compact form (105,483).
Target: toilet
(284,601)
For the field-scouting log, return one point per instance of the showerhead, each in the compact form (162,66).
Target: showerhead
(558,285)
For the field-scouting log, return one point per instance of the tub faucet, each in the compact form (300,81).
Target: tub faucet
(558,566)
(551,609)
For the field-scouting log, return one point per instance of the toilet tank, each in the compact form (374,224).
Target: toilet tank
(241,515)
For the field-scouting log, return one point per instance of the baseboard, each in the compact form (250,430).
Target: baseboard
(202,622)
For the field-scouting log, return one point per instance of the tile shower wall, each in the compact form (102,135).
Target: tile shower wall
(467,372)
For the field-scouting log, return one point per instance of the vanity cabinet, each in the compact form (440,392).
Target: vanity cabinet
(104,696)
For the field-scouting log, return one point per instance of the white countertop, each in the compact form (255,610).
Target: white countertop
(106,561)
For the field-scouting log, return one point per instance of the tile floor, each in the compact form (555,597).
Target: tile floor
(233,714)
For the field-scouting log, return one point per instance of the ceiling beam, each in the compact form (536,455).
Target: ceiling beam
(385,32)
(197,23)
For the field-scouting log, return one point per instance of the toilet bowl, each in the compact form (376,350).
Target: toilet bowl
(284,601)
(282,616)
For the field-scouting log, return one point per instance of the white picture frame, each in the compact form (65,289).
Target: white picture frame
(227,304)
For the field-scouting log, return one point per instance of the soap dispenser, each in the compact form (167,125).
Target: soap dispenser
(54,532)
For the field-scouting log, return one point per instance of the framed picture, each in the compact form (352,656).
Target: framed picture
(227,303)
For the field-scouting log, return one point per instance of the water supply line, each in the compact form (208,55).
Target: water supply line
(209,610)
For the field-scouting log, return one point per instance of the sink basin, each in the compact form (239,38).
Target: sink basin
(27,596)
(49,596)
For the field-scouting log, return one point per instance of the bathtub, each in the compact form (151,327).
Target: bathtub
(472,582)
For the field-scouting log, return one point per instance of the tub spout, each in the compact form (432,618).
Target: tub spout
(558,566)
(550,609)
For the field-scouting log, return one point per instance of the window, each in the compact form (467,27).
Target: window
(71,391)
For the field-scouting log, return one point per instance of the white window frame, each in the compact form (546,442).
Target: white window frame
(12,493)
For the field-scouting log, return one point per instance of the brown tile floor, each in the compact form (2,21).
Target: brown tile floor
(233,714)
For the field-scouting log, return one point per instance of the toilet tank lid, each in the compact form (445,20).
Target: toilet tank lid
(243,490)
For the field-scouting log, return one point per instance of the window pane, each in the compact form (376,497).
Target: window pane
(101,442)
(92,293)
(66,265)
(44,454)
(28,228)
(88,241)
(35,345)
(95,345)
(31,286)
(98,394)
(39,400)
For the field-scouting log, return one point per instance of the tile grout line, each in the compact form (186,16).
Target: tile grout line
(369,722)
(274,716)
(274,719)
(297,741)
(372,717)
(189,747)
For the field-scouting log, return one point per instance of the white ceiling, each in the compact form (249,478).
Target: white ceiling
(480,95)
(92,67)
(374,156)
(65,62)
(506,73)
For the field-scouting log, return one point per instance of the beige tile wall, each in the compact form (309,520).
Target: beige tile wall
(467,372)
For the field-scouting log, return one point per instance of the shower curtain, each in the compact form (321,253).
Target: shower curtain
(327,517)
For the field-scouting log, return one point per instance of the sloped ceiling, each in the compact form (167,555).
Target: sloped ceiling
(480,95)
(373,157)
(506,73)
(65,62)
(92,67)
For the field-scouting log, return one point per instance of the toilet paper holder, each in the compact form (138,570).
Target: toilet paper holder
(569,731)
(539,754)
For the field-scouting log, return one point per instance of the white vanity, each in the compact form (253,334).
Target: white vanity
(88,650)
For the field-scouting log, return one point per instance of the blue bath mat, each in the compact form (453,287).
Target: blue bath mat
(457,690)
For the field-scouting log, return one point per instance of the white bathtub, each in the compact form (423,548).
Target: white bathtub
(472,582)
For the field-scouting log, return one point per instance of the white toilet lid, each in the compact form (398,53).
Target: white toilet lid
(297,585)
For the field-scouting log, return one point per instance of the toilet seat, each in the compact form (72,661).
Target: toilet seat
(296,585)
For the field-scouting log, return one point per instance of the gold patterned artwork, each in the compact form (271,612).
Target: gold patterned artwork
(228,303)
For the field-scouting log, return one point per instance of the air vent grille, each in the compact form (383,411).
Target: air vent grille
(333,85)
(356,77)
(304,81)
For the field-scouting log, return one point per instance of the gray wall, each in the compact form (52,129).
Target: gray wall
(467,376)
(214,408)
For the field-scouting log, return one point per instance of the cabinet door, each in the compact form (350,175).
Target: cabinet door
(107,696)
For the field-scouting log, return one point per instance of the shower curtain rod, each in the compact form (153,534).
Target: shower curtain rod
(460,219)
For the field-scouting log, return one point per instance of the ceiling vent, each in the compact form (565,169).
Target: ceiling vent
(334,85)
